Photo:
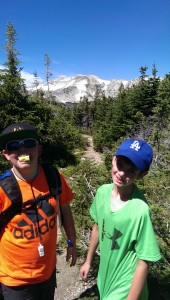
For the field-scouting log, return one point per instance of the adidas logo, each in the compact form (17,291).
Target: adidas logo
(29,232)
(34,231)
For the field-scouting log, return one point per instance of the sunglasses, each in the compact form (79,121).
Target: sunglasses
(16,145)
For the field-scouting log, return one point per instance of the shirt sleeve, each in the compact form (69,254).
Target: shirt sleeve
(93,211)
(66,195)
(146,245)
(98,205)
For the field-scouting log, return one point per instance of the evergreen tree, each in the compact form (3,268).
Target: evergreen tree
(142,71)
(12,87)
(48,74)
(36,83)
(59,136)
(161,117)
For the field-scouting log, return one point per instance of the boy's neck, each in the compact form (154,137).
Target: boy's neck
(27,174)
(124,193)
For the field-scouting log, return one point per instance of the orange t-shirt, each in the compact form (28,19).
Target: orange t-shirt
(20,261)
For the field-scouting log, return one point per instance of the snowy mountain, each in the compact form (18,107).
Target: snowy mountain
(73,89)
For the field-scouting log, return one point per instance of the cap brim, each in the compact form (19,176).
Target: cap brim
(133,158)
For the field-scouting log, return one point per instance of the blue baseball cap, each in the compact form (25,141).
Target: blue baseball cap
(138,151)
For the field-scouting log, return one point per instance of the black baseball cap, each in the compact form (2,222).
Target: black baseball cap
(18,131)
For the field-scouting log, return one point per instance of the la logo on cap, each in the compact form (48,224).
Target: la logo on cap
(135,145)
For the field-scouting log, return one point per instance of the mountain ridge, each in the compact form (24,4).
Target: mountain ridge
(72,89)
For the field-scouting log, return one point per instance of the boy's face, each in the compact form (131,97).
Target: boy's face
(25,156)
(124,172)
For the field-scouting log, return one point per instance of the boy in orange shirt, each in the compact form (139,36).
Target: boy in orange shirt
(28,241)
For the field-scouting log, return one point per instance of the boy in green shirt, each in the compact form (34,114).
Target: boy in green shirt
(123,227)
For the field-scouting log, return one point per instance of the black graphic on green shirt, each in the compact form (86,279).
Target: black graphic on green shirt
(116,235)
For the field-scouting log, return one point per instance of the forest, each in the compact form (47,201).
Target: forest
(141,111)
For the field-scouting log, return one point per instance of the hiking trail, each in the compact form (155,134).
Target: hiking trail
(70,285)
(90,152)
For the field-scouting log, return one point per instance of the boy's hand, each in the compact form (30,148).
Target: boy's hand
(84,270)
(71,253)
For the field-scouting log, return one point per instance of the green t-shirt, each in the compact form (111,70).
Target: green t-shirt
(125,236)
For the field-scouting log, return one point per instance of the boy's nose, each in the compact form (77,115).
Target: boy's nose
(121,173)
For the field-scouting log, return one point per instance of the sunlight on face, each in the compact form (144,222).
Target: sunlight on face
(124,171)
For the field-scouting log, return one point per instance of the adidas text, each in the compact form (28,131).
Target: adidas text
(34,232)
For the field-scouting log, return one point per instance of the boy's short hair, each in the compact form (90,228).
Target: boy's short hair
(138,151)
(17,131)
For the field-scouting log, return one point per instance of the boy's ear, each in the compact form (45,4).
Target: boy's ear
(5,153)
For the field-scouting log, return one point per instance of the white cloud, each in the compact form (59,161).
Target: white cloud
(29,78)
(56,62)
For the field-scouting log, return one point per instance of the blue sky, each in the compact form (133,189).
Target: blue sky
(107,38)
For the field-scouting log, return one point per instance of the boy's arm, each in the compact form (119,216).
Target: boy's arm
(139,279)
(94,241)
(68,224)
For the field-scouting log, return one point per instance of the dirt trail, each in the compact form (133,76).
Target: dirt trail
(70,286)
(90,152)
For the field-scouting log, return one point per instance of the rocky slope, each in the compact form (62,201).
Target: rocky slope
(73,89)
